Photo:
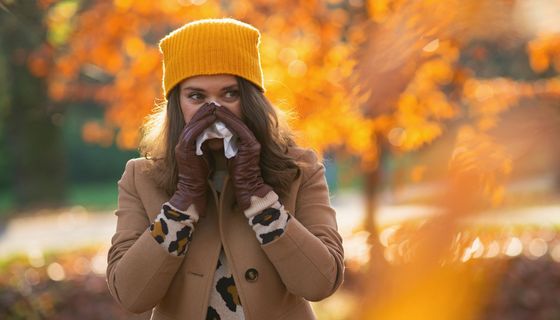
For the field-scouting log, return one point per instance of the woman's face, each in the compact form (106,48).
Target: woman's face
(198,90)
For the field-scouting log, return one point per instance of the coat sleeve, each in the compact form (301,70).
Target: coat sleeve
(309,256)
(139,270)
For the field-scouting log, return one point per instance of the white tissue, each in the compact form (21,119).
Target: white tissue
(218,130)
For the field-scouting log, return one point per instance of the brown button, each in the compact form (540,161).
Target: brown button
(251,275)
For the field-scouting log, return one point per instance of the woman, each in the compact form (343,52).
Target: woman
(202,236)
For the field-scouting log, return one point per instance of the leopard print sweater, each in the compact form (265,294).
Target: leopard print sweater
(173,229)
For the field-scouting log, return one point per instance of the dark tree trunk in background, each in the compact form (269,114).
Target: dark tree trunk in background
(377,262)
(31,132)
(377,267)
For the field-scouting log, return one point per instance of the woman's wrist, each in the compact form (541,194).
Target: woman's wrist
(258,204)
(270,223)
(173,228)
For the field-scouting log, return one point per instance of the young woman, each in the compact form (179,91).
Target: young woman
(204,236)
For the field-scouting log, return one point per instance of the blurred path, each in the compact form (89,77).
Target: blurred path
(62,230)
(76,227)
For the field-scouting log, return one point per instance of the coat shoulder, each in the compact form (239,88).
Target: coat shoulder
(307,160)
(140,161)
(140,169)
(304,155)
(140,165)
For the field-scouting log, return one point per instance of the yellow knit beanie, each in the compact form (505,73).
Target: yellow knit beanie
(211,46)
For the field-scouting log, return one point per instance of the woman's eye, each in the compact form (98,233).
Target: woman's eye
(196,96)
(232,94)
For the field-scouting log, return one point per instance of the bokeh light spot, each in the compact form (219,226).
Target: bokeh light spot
(56,272)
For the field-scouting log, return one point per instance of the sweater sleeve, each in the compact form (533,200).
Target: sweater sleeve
(309,256)
(173,228)
(267,217)
(139,269)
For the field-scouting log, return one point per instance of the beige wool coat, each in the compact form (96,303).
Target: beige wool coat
(274,281)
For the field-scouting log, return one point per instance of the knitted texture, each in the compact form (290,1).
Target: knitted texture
(211,46)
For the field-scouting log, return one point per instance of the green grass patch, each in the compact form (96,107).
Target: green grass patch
(6,202)
(93,196)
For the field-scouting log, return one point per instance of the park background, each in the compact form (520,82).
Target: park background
(438,123)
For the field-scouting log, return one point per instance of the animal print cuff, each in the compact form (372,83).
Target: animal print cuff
(259,204)
(270,223)
(173,228)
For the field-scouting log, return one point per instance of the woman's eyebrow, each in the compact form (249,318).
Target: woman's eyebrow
(233,86)
(230,87)
(194,89)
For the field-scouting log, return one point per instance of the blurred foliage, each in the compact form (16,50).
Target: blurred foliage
(470,87)
(306,50)
(440,270)
(457,67)
(491,273)
(91,169)
(399,71)
(65,285)
(357,73)
(90,163)
(29,131)
(4,101)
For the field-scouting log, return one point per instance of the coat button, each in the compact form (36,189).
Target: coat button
(251,275)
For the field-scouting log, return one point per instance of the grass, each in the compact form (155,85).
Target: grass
(6,201)
(93,196)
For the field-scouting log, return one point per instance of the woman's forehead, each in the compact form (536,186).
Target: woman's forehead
(209,82)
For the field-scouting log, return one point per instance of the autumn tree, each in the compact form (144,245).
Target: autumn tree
(29,121)
(363,77)
(417,66)
(305,53)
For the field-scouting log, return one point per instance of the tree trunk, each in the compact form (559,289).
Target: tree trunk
(31,132)
(377,262)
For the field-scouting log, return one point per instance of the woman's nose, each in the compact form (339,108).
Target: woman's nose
(214,102)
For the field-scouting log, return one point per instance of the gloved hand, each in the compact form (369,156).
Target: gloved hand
(193,170)
(244,167)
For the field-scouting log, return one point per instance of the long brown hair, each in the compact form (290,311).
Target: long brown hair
(164,125)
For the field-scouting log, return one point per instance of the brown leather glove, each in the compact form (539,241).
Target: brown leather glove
(244,167)
(193,169)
